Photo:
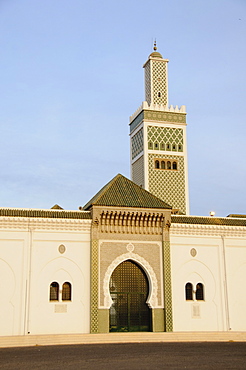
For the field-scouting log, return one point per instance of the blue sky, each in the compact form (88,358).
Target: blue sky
(71,75)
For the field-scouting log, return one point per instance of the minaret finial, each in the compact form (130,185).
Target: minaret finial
(155,47)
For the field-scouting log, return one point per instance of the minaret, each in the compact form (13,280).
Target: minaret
(158,140)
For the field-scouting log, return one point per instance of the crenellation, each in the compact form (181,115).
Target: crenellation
(157,107)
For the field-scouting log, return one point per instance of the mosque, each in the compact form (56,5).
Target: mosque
(132,259)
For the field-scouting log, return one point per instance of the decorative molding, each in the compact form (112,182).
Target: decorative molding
(193,252)
(126,222)
(152,300)
(207,230)
(25,223)
(62,248)
(130,247)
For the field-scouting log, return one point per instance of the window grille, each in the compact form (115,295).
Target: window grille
(66,292)
(54,291)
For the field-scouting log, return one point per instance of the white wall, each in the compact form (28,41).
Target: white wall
(12,282)
(30,261)
(206,268)
(235,251)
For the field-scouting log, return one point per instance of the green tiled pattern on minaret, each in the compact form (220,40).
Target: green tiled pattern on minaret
(168,185)
(163,116)
(166,135)
(137,143)
(147,83)
(138,171)
(159,80)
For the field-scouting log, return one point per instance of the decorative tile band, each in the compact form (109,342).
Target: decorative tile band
(167,286)
(94,286)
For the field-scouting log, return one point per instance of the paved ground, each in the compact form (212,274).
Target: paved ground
(229,355)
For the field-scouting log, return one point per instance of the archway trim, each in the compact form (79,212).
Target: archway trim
(152,300)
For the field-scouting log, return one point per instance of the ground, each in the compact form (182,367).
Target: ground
(226,355)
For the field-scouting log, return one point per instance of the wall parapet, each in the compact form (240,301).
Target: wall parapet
(158,107)
(207,230)
(25,223)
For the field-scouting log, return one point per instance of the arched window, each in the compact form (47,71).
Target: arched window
(162,146)
(174,147)
(188,292)
(159,94)
(199,292)
(66,292)
(54,291)
(169,165)
(150,145)
(156,146)
(174,165)
(163,165)
(157,164)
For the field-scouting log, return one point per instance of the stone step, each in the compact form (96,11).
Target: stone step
(56,339)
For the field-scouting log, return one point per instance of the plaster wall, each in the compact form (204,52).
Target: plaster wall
(235,254)
(13,262)
(49,265)
(30,260)
(205,267)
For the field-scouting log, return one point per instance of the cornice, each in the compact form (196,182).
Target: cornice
(207,230)
(25,223)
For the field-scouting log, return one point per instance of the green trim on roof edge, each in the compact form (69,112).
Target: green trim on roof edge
(41,213)
(200,220)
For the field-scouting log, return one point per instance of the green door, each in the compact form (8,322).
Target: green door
(129,290)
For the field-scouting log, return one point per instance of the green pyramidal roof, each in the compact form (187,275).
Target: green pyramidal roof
(122,192)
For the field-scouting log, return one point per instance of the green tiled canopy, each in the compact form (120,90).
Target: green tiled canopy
(122,192)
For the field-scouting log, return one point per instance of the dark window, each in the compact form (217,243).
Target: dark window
(54,291)
(174,147)
(199,292)
(174,165)
(150,145)
(66,292)
(169,165)
(159,94)
(157,164)
(162,146)
(188,292)
(163,165)
(168,146)
(156,146)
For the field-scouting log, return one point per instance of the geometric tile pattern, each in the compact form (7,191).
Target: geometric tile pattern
(164,136)
(138,172)
(147,83)
(159,80)
(168,185)
(94,286)
(155,115)
(137,143)
(167,286)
